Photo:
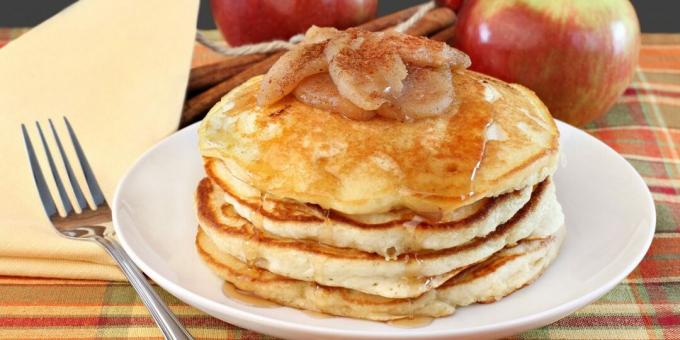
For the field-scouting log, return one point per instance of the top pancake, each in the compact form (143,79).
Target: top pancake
(499,138)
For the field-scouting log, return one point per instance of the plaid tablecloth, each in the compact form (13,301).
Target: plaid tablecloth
(644,126)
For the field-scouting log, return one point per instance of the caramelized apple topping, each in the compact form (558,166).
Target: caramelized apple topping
(361,74)
(319,91)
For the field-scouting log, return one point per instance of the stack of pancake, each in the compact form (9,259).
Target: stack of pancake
(380,219)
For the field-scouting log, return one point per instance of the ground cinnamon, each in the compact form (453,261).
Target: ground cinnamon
(196,107)
(208,75)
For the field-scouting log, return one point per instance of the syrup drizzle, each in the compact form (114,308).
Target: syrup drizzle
(251,253)
(411,322)
(246,298)
(326,232)
(411,227)
(478,165)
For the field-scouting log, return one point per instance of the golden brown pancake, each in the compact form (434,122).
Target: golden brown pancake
(388,234)
(499,139)
(508,270)
(408,275)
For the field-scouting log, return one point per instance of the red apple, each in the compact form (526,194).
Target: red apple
(454,5)
(577,55)
(251,21)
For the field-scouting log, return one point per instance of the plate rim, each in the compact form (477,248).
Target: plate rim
(195,299)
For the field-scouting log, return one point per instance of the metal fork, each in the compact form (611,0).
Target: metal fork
(88,224)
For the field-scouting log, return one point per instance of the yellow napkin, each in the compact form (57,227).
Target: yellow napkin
(118,71)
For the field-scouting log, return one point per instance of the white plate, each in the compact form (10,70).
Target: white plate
(609,215)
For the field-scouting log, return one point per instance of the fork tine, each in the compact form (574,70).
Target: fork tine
(82,202)
(57,179)
(38,178)
(96,192)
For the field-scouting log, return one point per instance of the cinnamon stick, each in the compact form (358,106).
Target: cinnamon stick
(199,84)
(196,107)
(446,35)
(433,21)
(205,76)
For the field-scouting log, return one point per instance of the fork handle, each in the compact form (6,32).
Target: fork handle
(161,314)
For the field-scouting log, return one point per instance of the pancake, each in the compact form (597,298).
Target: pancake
(409,275)
(389,234)
(500,138)
(371,175)
(505,272)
